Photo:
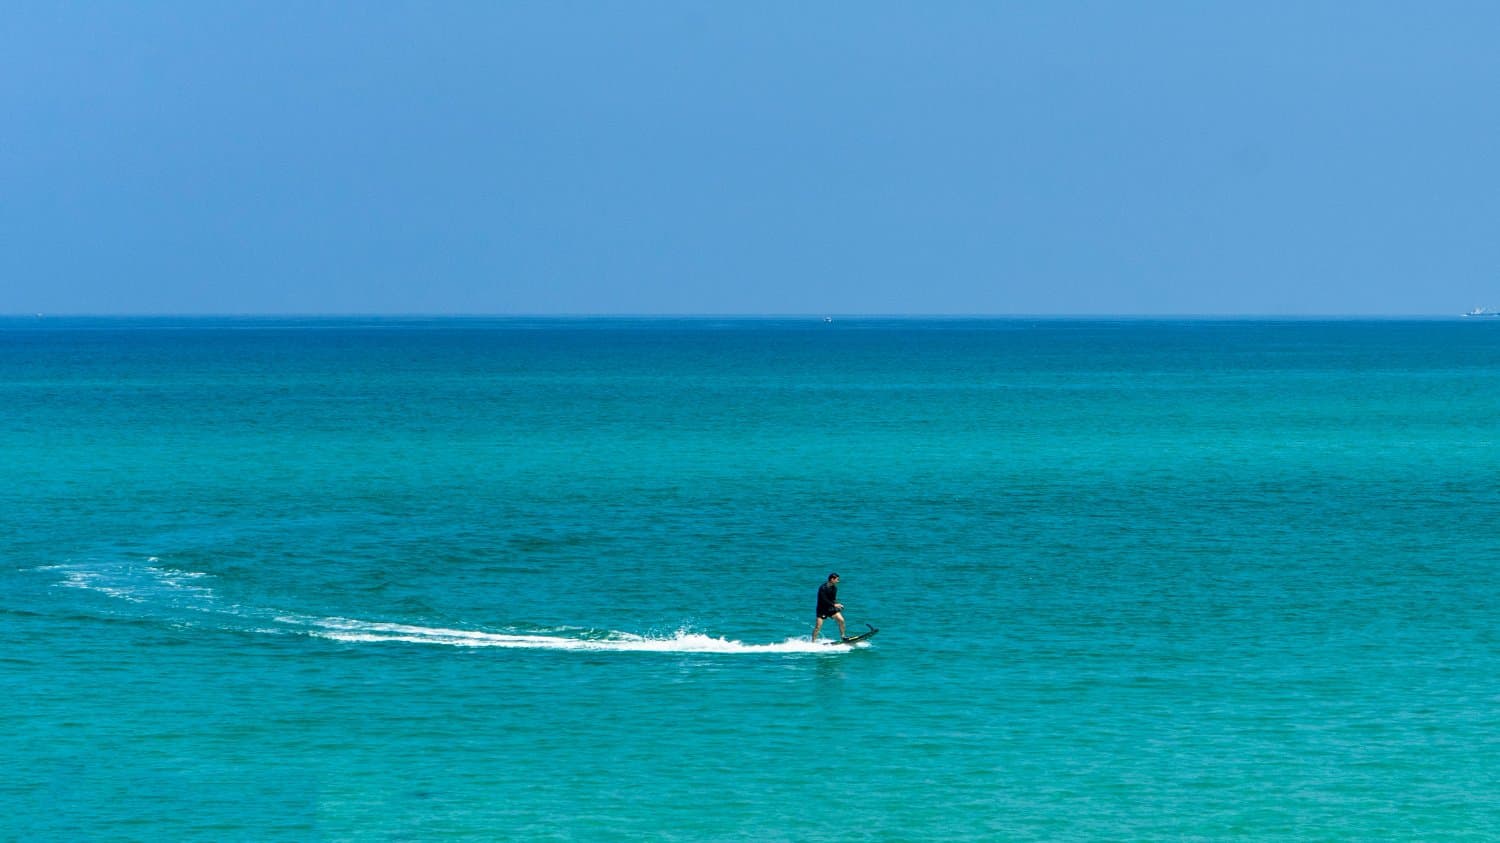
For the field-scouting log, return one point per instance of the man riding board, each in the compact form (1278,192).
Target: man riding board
(829,606)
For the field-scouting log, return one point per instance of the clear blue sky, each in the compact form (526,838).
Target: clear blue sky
(761,158)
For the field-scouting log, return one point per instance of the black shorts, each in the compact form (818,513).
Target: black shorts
(823,617)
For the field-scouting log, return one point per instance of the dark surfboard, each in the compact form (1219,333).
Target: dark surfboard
(855,639)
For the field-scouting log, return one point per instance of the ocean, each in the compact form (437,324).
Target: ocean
(391,579)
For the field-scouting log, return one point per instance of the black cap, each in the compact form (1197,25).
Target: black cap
(833,576)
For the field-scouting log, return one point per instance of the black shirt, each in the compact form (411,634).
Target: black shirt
(828,599)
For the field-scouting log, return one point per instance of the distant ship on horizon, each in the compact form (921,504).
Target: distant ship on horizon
(1483,311)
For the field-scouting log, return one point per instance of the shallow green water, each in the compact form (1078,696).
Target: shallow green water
(552,580)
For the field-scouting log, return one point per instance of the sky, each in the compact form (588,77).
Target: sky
(920,158)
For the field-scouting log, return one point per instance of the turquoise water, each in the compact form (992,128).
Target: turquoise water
(552,580)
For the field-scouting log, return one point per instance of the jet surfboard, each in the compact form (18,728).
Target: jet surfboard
(855,639)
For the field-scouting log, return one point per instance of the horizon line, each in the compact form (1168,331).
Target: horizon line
(35,315)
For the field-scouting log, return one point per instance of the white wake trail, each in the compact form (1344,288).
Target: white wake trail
(344,629)
(178,594)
